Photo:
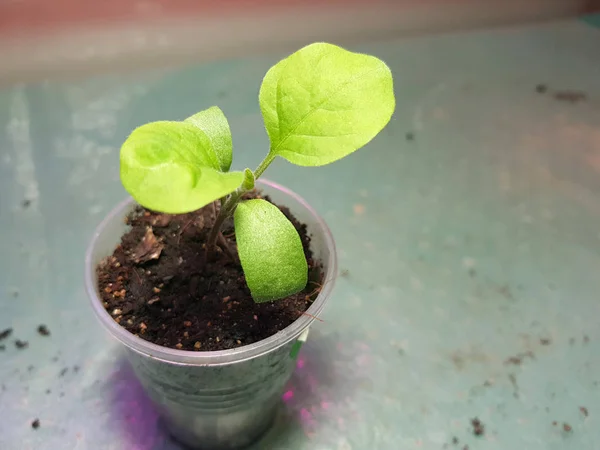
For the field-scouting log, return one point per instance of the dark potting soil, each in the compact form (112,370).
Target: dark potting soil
(160,286)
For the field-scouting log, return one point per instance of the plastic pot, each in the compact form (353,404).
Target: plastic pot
(223,399)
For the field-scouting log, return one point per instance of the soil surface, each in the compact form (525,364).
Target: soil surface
(160,285)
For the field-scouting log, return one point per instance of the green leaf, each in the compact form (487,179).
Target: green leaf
(214,124)
(249,180)
(323,103)
(270,251)
(170,167)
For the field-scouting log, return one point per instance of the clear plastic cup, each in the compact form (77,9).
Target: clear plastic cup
(222,399)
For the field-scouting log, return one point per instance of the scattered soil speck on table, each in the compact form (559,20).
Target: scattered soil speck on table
(513,380)
(518,359)
(5,333)
(478,427)
(35,424)
(506,292)
(584,411)
(568,428)
(570,96)
(21,345)
(43,330)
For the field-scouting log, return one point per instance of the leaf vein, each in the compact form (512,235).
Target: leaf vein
(318,106)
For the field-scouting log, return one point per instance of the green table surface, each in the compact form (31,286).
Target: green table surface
(469,254)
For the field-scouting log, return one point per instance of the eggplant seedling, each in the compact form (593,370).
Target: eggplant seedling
(319,105)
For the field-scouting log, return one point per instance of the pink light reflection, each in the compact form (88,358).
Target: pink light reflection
(363,346)
(288,395)
(305,415)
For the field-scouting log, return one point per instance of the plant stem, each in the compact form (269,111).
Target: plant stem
(263,165)
(225,246)
(227,208)
(228,205)
(214,232)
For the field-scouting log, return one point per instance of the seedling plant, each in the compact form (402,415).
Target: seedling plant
(319,105)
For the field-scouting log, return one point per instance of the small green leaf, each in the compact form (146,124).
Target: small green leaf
(270,251)
(170,167)
(214,124)
(323,103)
(249,180)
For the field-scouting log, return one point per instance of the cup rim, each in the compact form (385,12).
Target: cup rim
(220,357)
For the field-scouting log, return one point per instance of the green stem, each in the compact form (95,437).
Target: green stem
(214,232)
(227,208)
(263,165)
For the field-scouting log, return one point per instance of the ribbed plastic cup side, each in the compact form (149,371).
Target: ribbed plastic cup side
(224,399)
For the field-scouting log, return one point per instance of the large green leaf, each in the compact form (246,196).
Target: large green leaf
(214,124)
(323,103)
(170,167)
(270,251)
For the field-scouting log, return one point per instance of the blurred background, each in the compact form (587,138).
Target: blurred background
(72,37)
